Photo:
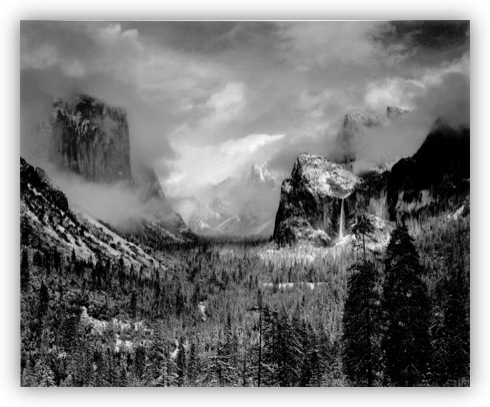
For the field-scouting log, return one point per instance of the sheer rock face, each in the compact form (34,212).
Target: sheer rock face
(311,201)
(435,178)
(90,138)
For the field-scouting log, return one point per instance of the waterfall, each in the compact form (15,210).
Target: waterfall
(342,220)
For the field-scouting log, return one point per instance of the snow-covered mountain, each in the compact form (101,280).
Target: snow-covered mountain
(48,221)
(242,205)
(316,201)
(319,201)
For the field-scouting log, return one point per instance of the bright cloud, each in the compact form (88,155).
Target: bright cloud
(198,168)
(205,98)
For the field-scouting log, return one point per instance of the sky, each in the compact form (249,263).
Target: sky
(207,99)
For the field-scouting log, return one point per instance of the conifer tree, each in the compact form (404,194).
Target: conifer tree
(28,378)
(193,365)
(457,327)
(181,364)
(363,227)
(361,325)
(133,304)
(43,299)
(139,363)
(24,271)
(45,376)
(219,371)
(282,350)
(451,330)
(406,312)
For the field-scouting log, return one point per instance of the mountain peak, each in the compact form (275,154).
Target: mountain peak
(316,201)
(260,176)
(90,138)
(393,111)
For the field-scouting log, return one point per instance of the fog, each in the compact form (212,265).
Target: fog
(403,135)
(117,204)
(206,100)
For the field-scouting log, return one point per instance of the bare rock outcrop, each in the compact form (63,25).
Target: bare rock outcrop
(90,138)
(316,202)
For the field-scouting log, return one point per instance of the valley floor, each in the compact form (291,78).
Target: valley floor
(227,314)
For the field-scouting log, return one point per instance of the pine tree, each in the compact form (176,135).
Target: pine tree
(24,271)
(361,325)
(43,299)
(102,368)
(28,378)
(158,358)
(193,365)
(139,363)
(451,331)
(219,369)
(406,312)
(282,354)
(133,304)
(457,324)
(45,376)
(181,364)
(363,227)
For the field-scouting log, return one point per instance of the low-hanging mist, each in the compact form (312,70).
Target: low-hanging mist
(117,204)
(260,92)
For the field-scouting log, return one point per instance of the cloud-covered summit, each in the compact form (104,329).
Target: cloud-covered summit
(206,99)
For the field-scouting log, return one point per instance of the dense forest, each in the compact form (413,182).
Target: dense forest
(246,313)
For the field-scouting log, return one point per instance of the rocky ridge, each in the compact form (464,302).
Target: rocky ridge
(315,202)
(320,198)
(436,178)
(89,138)
(48,221)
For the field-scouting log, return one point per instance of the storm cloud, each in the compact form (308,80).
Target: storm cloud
(207,99)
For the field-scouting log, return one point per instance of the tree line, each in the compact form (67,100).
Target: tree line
(396,333)
(402,321)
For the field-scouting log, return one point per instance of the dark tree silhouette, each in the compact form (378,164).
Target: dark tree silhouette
(43,299)
(24,271)
(361,326)
(406,312)
(362,228)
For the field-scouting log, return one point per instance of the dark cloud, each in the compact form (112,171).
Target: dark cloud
(435,34)
(205,99)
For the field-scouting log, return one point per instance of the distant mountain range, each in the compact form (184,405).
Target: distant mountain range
(316,204)
(242,205)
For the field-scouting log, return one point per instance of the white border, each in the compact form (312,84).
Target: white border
(12,12)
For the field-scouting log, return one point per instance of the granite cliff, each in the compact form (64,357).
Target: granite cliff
(89,138)
(316,202)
